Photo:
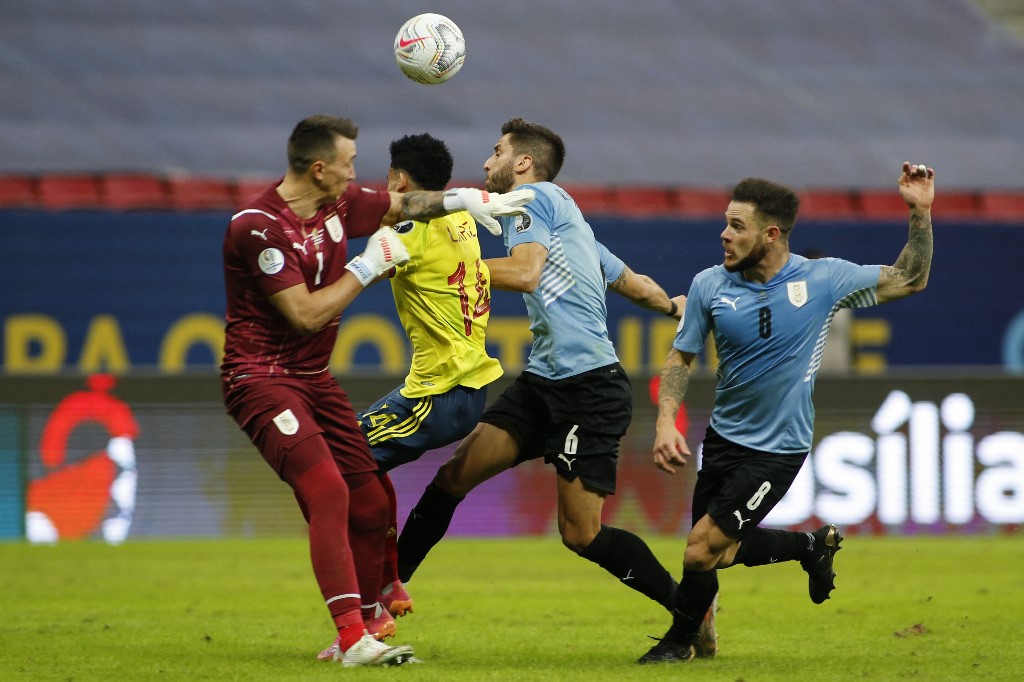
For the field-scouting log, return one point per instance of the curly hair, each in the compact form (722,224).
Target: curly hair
(426,159)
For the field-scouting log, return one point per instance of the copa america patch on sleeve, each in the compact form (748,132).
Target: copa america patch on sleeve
(271,261)
(523,222)
(404,226)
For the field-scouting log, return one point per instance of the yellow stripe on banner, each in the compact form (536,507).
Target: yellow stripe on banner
(404,427)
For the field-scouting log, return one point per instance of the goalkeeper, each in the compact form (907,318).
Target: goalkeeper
(287,283)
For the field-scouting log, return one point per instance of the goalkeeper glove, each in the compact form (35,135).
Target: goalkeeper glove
(384,250)
(483,205)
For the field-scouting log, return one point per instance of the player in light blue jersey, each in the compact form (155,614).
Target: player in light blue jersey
(769,312)
(573,402)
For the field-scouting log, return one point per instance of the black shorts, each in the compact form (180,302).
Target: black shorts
(737,486)
(574,423)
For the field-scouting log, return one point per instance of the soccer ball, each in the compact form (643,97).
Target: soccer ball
(430,49)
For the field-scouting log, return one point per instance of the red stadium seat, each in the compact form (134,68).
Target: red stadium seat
(953,205)
(593,199)
(831,204)
(69,192)
(18,191)
(245,188)
(125,192)
(188,193)
(643,201)
(882,204)
(1002,205)
(702,203)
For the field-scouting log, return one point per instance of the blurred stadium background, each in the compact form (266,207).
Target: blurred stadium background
(130,128)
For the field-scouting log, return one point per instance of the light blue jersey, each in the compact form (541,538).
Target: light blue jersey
(770,338)
(568,312)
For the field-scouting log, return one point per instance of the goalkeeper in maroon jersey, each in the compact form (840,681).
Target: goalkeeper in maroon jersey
(288,278)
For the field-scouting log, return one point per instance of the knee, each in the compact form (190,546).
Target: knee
(577,538)
(699,557)
(452,477)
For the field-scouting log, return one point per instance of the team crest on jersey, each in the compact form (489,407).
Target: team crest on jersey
(334,227)
(797,292)
(523,223)
(271,261)
(287,423)
(404,226)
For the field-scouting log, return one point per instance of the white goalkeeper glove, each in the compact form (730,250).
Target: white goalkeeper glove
(384,250)
(484,205)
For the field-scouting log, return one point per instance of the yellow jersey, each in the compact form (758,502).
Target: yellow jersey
(443,299)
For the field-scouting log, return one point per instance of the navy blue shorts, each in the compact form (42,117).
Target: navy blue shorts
(401,429)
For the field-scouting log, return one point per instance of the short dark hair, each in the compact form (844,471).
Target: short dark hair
(777,203)
(542,144)
(313,139)
(426,159)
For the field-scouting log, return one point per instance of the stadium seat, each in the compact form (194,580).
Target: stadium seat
(881,204)
(188,193)
(592,199)
(1002,205)
(831,204)
(693,202)
(125,192)
(69,192)
(954,204)
(246,187)
(643,201)
(18,191)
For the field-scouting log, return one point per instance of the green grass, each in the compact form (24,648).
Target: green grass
(906,608)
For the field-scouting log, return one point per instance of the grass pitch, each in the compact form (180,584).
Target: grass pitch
(919,608)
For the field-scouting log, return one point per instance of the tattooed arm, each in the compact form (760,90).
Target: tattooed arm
(646,293)
(670,448)
(415,205)
(909,274)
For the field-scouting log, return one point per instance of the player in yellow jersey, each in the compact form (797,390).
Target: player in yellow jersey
(442,295)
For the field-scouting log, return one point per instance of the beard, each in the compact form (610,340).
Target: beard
(755,256)
(500,180)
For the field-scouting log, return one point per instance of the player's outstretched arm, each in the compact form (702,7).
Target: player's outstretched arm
(909,274)
(670,448)
(482,205)
(646,293)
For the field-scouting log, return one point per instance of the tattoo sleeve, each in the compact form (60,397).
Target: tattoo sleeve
(675,379)
(422,205)
(912,267)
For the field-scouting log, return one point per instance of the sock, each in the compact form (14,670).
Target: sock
(696,591)
(390,574)
(761,546)
(349,634)
(427,523)
(324,499)
(369,513)
(629,559)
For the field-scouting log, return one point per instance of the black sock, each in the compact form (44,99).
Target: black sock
(629,559)
(427,523)
(761,546)
(693,599)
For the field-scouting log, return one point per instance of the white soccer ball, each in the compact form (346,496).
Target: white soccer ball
(430,49)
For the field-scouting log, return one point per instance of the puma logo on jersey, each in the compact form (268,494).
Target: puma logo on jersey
(300,247)
(262,235)
(725,299)
(741,519)
(568,462)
